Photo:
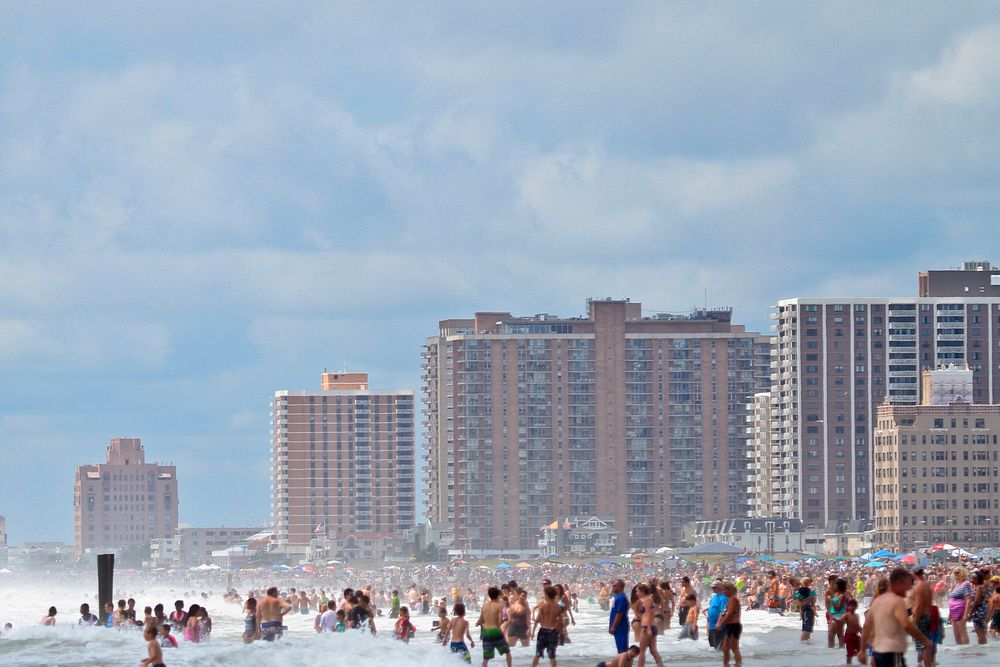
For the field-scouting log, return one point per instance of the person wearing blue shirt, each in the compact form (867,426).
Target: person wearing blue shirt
(715,608)
(618,625)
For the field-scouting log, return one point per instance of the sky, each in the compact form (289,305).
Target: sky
(203,203)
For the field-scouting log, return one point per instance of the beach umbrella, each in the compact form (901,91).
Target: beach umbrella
(6,571)
(875,563)
(908,560)
(522,565)
(664,550)
(334,562)
(503,566)
(742,559)
(943,546)
(641,554)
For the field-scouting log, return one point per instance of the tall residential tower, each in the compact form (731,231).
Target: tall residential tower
(836,359)
(343,463)
(532,420)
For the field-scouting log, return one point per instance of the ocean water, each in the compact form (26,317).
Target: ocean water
(767,639)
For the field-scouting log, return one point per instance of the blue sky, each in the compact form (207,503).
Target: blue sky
(202,203)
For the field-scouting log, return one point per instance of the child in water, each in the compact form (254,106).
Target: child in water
(155,658)
(852,631)
(404,630)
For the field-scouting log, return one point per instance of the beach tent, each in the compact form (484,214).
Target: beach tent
(712,548)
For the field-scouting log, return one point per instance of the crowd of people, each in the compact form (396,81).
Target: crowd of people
(868,614)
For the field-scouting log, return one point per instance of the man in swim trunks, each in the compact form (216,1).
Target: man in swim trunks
(921,601)
(548,620)
(889,624)
(623,659)
(492,636)
(270,612)
(459,632)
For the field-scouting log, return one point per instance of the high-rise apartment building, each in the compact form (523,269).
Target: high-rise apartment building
(835,360)
(125,501)
(639,419)
(973,279)
(343,461)
(764,467)
(935,464)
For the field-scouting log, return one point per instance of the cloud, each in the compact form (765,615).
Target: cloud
(201,206)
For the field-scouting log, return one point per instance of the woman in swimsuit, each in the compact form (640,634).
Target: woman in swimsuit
(731,626)
(958,606)
(633,603)
(647,638)
(979,606)
(667,594)
(838,611)
(192,630)
(517,628)
(250,621)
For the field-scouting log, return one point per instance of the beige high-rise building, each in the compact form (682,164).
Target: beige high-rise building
(343,463)
(641,419)
(936,469)
(125,501)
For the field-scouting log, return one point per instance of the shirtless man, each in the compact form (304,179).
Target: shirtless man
(548,621)
(492,637)
(155,653)
(270,612)
(889,624)
(920,603)
(623,659)
(458,630)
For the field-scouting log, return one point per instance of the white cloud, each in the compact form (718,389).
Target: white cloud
(967,74)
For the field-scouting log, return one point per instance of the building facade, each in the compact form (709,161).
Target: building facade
(579,536)
(765,469)
(343,461)
(639,419)
(936,471)
(124,501)
(835,361)
(765,534)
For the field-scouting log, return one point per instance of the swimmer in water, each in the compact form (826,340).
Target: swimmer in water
(51,618)
(155,658)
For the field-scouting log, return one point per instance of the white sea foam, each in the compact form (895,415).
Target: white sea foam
(767,640)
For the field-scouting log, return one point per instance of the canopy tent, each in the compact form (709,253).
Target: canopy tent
(712,548)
